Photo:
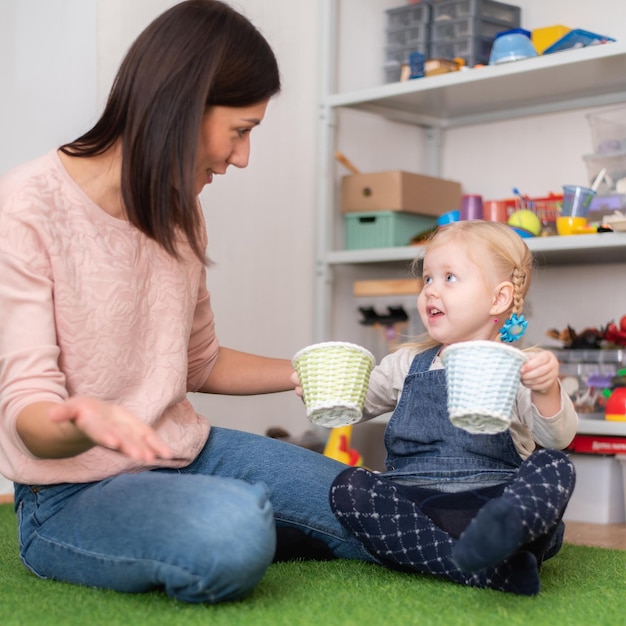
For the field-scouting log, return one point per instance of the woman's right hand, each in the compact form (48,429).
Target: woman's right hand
(111,426)
(54,431)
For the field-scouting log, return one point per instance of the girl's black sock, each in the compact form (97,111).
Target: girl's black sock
(531,507)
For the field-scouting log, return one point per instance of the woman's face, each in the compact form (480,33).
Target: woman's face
(225,140)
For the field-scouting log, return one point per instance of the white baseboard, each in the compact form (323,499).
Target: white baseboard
(6,486)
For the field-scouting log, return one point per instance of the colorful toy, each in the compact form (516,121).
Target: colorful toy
(592,338)
(616,335)
(338,446)
(526,221)
(588,339)
(615,410)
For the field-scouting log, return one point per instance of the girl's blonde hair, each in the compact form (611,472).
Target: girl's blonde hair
(488,243)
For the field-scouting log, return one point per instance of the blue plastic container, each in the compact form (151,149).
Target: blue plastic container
(512,45)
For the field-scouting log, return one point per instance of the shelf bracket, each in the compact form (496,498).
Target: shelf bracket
(433,150)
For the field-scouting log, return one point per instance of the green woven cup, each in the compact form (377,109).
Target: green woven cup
(334,376)
(482,378)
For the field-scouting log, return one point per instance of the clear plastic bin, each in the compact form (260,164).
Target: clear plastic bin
(608,130)
(484,9)
(409,15)
(413,35)
(466,27)
(392,73)
(615,165)
(585,374)
(397,55)
(598,496)
(474,50)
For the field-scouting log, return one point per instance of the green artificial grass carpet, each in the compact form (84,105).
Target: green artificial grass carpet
(579,586)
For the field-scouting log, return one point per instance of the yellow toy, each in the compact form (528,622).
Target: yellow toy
(338,446)
(527,221)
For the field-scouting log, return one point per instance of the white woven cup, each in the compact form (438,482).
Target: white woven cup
(334,376)
(483,378)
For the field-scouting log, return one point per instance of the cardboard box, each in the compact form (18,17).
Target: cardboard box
(399,191)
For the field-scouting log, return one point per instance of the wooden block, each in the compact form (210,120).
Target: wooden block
(394,287)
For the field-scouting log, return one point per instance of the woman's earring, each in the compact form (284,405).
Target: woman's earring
(513,329)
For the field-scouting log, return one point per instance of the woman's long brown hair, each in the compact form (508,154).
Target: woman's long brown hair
(199,53)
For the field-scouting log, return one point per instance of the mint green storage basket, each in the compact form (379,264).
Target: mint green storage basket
(384,229)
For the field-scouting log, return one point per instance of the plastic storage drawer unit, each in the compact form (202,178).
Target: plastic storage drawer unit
(466,27)
(408,30)
(408,15)
(474,50)
(483,9)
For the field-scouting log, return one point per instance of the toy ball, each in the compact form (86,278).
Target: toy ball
(525,220)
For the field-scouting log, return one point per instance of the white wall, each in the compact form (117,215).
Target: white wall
(48,71)
(48,75)
(57,61)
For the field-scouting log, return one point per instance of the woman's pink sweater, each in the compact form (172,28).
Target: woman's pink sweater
(90,306)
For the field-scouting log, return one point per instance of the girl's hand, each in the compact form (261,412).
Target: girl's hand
(112,426)
(540,373)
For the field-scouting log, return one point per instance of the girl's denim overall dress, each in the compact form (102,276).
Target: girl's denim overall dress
(423,447)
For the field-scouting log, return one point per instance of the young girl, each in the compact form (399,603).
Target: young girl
(482,510)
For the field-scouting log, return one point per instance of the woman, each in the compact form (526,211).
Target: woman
(107,324)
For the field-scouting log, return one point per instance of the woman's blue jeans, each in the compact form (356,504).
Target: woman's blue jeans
(204,533)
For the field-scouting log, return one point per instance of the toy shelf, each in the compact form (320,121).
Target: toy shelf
(556,250)
(570,79)
(566,80)
(601,427)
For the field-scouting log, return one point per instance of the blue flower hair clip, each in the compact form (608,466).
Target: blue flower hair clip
(513,329)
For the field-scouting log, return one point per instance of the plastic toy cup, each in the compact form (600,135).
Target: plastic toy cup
(334,376)
(566,225)
(483,378)
(471,207)
(495,211)
(576,200)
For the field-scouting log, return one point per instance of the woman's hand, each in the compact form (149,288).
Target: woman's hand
(296,382)
(111,426)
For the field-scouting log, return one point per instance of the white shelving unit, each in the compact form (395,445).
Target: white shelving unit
(585,77)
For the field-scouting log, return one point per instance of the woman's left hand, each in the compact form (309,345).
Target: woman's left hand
(296,381)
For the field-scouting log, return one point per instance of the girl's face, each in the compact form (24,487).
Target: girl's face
(459,300)
(225,140)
